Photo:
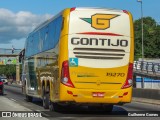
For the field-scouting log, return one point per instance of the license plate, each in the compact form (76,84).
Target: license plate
(98,94)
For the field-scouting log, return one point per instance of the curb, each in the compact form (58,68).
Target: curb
(145,100)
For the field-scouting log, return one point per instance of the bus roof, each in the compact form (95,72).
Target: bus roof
(98,8)
(76,8)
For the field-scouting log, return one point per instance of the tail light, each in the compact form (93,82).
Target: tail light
(129,81)
(65,77)
(72,9)
(125,11)
(1,83)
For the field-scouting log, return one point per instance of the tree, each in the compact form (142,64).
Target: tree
(151,38)
(8,70)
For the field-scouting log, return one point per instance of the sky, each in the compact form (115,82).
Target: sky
(19,17)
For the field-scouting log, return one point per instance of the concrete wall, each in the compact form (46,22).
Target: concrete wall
(146,93)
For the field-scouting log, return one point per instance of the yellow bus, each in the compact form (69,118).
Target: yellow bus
(81,56)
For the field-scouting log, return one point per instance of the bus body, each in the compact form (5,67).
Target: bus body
(82,56)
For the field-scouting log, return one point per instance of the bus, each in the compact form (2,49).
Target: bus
(81,56)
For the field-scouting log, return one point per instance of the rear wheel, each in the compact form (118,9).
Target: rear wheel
(54,107)
(57,107)
(107,108)
(24,88)
(29,98)
(95,108)
(51,108)
(45,98)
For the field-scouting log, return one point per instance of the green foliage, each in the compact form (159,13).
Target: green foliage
(8,70)
(151,38)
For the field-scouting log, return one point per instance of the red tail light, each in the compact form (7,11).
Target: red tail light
(1,83)
(72,9)
(65,77)
(125,11)
(129,81)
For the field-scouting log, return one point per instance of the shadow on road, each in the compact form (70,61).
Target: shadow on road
(76,110)
(73,110)
(83,111)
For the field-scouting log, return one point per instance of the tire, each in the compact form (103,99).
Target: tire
(45,98)
(94,108)
(58,107)
(24,89)
(55,107)
(108,108)
(51,107)
(29,98)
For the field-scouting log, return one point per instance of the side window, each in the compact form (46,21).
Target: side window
(51,36)
(40,42)
(28,49)
(35,43)
(58,21)
(31,45)
(54,31)
(26,53)
(46,38)
(42,37)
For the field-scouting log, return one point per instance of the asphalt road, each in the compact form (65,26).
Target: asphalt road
(14,94)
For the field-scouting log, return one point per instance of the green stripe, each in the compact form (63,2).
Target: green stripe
(88,20)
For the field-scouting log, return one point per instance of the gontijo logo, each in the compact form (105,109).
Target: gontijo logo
(100,21)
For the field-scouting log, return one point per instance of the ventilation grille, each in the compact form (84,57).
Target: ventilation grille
(99,53)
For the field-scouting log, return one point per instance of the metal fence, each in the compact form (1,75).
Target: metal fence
(148,67)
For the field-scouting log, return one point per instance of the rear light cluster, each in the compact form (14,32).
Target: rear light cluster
(65,77)
(129,81)
(125,11)
(124,94)
(1,83)
(72,9)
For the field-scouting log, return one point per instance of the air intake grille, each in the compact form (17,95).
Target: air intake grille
(99,53)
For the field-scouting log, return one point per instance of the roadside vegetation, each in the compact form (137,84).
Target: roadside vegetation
(9,71)
(151,38)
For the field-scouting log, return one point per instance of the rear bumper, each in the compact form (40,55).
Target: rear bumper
(68,94)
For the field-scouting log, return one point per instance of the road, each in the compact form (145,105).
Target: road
(14,94)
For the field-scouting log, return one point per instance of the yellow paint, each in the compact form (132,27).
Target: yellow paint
(85,95)
(99,80)
(84,91)
(131,60)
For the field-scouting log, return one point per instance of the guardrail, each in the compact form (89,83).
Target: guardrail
(148,67)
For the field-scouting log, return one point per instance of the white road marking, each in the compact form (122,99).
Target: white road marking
(13,99)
